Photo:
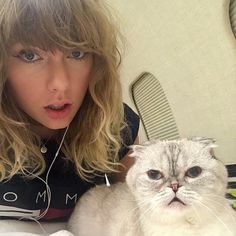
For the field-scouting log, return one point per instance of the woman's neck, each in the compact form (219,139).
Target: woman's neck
(45,133)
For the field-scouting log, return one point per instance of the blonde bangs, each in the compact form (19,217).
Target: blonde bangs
(48,24)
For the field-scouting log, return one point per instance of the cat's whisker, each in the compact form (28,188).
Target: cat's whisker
(147,200)
(145,203)
(152,208)
(134,212)
(144,214)
(213,213)
(196,213)
(215,196)
(223,205)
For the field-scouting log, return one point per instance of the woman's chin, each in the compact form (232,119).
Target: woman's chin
(48,129)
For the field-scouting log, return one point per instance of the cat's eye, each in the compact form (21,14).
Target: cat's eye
(193,172)
(154,174)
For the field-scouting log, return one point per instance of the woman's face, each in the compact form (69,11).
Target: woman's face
(48,86)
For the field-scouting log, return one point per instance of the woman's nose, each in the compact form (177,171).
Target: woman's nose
(59,77)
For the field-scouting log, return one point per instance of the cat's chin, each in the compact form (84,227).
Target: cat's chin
(176,208)
(173,213)
(176,205)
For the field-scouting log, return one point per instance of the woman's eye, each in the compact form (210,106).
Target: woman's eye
(154,174)
(193,172)
(77,54)
(28,56)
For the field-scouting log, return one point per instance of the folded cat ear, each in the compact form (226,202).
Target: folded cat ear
(137,150)
(207,142)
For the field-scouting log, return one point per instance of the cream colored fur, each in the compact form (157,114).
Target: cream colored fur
(140,207)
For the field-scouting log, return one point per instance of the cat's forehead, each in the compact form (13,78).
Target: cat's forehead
(175,147)
(178,151)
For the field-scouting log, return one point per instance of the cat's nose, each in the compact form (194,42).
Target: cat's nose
(174,186)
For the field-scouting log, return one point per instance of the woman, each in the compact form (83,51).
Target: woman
(63,126)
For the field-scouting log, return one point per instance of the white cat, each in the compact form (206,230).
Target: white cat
(175,188)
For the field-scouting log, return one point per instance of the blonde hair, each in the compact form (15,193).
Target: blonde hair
(63,24)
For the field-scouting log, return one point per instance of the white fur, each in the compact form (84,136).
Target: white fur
(140,207)
(105,211)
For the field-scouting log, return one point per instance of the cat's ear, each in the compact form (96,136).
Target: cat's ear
(207,142)
(137,150)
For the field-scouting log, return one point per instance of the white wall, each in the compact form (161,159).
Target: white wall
(188,45)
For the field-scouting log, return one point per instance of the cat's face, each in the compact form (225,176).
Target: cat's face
(174,176)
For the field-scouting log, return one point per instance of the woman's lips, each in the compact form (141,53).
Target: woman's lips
(58,111)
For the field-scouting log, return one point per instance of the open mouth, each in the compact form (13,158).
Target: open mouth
(58,111)
(57,107)
(176,200)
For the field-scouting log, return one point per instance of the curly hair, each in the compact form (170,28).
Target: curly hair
(65,25)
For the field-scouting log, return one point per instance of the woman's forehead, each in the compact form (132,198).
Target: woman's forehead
(43,23)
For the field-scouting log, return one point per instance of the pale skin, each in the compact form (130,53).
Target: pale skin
(40,79)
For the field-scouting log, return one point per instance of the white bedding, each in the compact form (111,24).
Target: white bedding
(24,228)
(59,233)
